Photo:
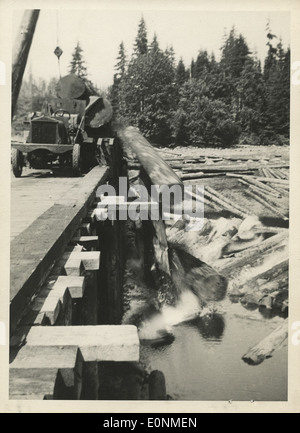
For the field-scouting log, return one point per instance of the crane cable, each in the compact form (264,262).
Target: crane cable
(58,51)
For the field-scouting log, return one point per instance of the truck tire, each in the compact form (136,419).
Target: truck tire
(17,162)
(76,160)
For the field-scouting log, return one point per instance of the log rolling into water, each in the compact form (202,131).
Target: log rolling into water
(155,167)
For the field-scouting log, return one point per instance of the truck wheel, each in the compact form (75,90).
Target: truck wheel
(17,162)
(76,160)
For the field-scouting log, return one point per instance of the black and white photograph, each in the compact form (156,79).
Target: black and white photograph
(150,258)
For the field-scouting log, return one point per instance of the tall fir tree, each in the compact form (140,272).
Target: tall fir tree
(181,75)
(141,41)
(77,65)
(120,66)
(277,82)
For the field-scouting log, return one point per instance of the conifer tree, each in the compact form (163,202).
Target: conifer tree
(77,64)
(120,66)
(181,75)
(141,41)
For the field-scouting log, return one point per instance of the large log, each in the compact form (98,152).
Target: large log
(226,168)
(73,87)
(250,255)
(158,171)
(220,201)
(283,182)
(282,205)
(267,205)
(267,346)
(212,191)
(253,181)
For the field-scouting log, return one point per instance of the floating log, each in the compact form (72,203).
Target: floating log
(250,255)
(261,230)
(267,205)
(267,197)
(227,168)
(231,208)
(212,167)
(284,182)
(258,189)
(192,175)
(282,174)
(215,193)
(257,282)
(172,152)
(265,348)
(206,175)
(207,201)
(255,182)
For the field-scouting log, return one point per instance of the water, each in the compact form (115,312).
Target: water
(204,360)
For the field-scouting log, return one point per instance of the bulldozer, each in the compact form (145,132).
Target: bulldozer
(68,131)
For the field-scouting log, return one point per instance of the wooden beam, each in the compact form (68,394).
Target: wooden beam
(96,343)
(32,362)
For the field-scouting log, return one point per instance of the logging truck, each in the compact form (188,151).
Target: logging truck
(68,131)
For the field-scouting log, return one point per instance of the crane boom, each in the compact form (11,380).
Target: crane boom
(20,52)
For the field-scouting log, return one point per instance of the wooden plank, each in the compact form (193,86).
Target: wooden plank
(75,285)
(88,242)
(48,357)
(34,251)
(33,384)
(88,260)
(96,343)
(67,359)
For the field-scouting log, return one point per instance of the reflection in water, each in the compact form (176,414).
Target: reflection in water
(270,313)
(211,326)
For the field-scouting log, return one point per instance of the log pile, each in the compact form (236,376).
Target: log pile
(251,256)
(263,181)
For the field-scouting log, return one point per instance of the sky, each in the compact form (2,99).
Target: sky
(101,31)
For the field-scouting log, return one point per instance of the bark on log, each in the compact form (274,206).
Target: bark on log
(252,254)
(207,201)
(267,205)
(281,205)
(226,200)
(284,182)
(259,189)
(253,181)
(225,205)
(192,175)
(265,348)
(159,172)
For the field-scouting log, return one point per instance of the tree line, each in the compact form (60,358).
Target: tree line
(208,103)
